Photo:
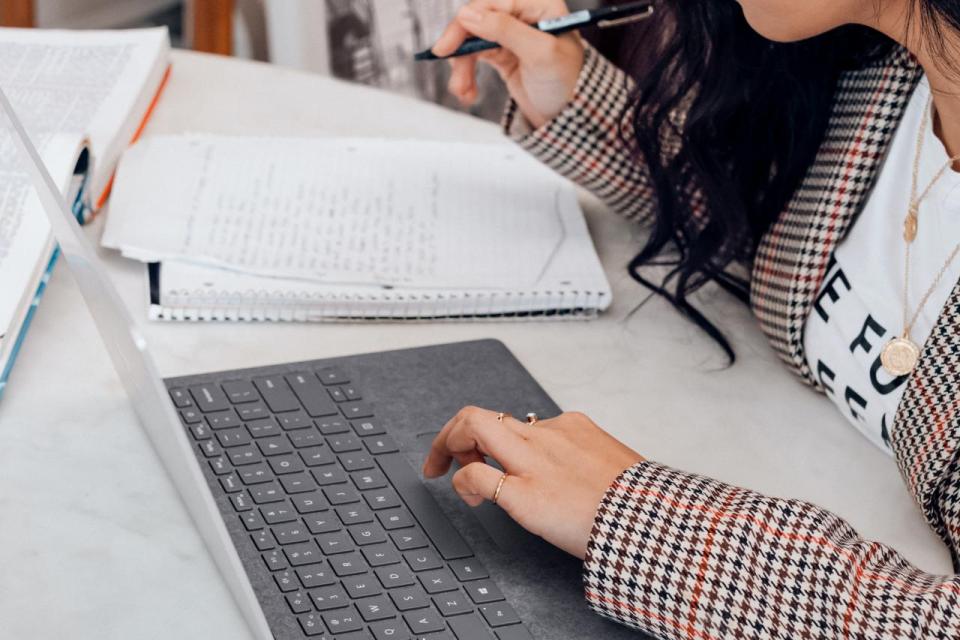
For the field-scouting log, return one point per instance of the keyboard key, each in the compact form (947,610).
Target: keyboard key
(331,427)
(240,391)
(468,569)
(423,559)
(393,577)
(438,580)
(367,428)
(364,534)
(275,560)
(274,446)
(277,513)
(378,555)
(382,499)
(424,621)
(392,519)
(499,614)
(356,461)
(365,480)
(351,392)
(483,591)
(381,444)
(407,598)
(252,520)
(454,603)
(230,483)
(355,410)
(375,608)
(290,533)
(301,554)
(315,575)
(180,398)
(341,494)
(470,627)
(306,438)
(286,581)
(311,624)
(248,454)
(322,523)
(311,395)
(294,421)
(343,443)
(255,473)
(287,463)
(348,564)
(209,397)
(277,394)
(262,541)
(342,620)
(251,412)
(310,502)
(332,375)
(316,456)
(263,428)
(299,602)
(440,530)
(329,475)
(191,416)
(337,394)
(200,431)
(335,542)
(390,630)
(241,501)
(210,448)
(223,419)
(355,514)
(220,466)
(362,585)
(332,597)
(266,493)
(233,437)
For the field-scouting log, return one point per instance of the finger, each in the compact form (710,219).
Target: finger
(457,31)
(463,77)
(477,482)
(525,41)
(474,429)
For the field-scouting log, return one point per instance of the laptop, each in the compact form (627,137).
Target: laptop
(301,479)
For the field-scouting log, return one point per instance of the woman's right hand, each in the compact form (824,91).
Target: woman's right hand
(540,70)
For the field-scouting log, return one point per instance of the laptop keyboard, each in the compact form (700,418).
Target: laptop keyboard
(357,547)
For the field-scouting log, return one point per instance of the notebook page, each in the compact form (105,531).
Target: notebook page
(345,211)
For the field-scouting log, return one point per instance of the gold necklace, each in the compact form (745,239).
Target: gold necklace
(901,354)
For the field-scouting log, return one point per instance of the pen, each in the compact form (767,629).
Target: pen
(602,18)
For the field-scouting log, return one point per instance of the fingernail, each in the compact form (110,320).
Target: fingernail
(468,14)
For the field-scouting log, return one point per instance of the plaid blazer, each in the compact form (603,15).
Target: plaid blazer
(682,556)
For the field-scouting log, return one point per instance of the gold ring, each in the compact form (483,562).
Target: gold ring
(496,494)
(532,418)
(502,415)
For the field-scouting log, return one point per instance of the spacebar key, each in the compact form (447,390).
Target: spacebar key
(425,509)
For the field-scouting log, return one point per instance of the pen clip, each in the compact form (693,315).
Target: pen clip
(616,22)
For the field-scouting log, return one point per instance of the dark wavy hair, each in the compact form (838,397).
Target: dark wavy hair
(756,114)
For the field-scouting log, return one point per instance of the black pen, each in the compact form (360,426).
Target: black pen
(602,18)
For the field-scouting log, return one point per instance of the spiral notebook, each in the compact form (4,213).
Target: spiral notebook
(313,229)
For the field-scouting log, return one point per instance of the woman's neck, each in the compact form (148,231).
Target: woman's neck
(943,75)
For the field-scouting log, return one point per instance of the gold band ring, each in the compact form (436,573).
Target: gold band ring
(502,415)
(496,494)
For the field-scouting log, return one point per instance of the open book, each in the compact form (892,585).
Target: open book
(83,96)
(327,229)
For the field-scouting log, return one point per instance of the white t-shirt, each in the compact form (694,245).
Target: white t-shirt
(860,304)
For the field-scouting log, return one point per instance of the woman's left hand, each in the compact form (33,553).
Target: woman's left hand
(558,469)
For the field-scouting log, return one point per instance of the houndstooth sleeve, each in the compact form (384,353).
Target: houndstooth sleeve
(682,556)
(584,142)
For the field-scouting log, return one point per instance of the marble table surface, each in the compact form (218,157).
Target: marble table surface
(94,542)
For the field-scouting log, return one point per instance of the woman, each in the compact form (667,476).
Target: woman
(817,143)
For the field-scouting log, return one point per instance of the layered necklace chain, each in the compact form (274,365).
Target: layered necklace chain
(900,356)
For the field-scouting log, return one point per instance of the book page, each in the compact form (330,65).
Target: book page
(399,213)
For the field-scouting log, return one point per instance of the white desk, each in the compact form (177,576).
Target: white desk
(93,540)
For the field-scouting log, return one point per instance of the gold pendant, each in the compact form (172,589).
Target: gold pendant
(900,356)
(910,225)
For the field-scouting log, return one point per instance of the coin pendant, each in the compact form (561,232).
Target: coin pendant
(900,356)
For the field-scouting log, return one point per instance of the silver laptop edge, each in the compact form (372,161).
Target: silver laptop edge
(148,395)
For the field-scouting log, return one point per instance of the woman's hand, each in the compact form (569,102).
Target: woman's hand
(540,70)
(559,469)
